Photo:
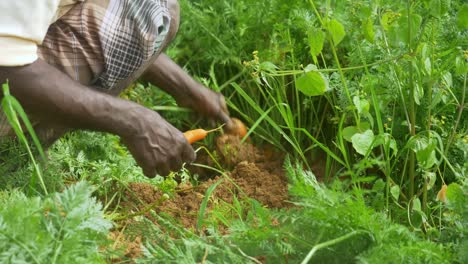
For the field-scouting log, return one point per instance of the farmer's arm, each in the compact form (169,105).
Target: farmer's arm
(44,91)
(167,75)
(41,89)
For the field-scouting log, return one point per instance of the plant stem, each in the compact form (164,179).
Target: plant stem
(461,108)
(329,243)
(412,107)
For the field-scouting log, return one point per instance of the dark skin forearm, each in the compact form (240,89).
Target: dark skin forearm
(170,77)
(48,93)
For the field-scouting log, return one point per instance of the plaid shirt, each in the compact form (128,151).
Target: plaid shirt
(102,42)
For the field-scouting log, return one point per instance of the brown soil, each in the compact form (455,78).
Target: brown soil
(257,174)
(253,172)
(130,249)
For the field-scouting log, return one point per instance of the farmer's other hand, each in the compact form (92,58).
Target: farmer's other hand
(189,93)
(157,146)
(208,103)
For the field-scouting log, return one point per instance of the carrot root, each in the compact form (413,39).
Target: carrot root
(195,135)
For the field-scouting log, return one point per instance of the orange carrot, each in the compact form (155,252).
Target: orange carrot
(195,135)
(239,128)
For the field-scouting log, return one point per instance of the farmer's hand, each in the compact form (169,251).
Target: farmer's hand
(158,147)
(207,103)
(167,75)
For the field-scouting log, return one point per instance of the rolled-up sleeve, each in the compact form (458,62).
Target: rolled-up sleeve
(23,25)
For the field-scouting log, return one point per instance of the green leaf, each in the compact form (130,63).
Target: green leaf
(362,142)
(447,79)
(368,29)
(401,31)
(348,132)
(418,93)
(388,141)
(455,196)
(268,66)
(428,66)
(416,205)
(362,105)
(337,31)
(316,41)
(430,178)
(395,191)
(462,17)
(311,84)
(386,20)
(425,151)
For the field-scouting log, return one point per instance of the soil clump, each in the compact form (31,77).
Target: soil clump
(250,172)
(256,173)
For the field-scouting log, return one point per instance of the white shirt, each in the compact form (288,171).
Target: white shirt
(23,26)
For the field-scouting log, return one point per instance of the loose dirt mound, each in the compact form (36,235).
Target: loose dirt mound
(257,174)
(253,172)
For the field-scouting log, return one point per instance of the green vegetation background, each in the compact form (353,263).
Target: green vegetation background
(378,88)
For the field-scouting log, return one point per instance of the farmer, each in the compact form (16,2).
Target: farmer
(67,60)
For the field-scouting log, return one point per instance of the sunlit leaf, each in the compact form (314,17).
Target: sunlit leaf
(425,151)
(349,132)
(362,142)
(407,26)
(362,105)
(416,204)
(368,29)
(316,41)
(395,191)
(311,84)
(337,31)
(455,195)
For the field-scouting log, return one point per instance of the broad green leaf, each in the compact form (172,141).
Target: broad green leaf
(362,105)
(349,132)
(311,84)
(316,41)
(405,27)
(337,31)
(425,151)
(456,197)
(395,191)
(462,17)
(362,142)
